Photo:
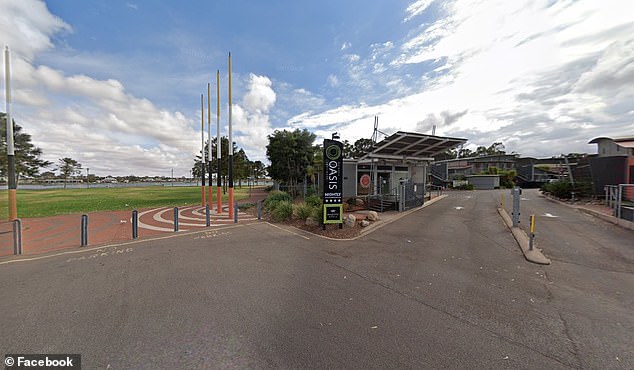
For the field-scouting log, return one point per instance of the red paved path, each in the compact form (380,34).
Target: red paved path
(41,235)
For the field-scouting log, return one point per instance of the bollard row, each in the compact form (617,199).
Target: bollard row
(17,225)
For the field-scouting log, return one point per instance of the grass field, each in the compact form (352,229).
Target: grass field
(44,203)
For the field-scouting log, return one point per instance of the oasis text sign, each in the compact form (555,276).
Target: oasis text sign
(333,181)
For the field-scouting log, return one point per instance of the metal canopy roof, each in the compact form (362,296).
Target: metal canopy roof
(412,146)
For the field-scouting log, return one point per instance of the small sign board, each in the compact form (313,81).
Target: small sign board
(364,181)
(333,182)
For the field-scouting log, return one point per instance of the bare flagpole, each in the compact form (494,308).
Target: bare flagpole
(13,207)
(202,144)
(218,147)
(209,142)
(230,149)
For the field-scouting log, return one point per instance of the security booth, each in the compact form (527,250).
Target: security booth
(393,176)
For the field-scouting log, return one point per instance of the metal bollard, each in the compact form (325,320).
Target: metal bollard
(207,219)
(135,224)
(17,237)
(259,210)
(175,218)
(235,212)
(84,230)
(532,235)
(516,206)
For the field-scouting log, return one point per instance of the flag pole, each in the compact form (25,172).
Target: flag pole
(218,147)
(230,149)
(209,189)
(12,184)
(202,144)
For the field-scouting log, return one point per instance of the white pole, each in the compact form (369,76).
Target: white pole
(7,86)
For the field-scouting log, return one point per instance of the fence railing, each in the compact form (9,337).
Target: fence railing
(620,198)
(11,237)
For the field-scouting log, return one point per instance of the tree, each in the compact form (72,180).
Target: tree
(241,163)
(496,148)
(290,153)
(259,169)
(27,156)
(347,149)
(68,167)
(361,147)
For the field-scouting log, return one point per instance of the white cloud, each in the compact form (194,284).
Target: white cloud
(27,26)
(544,76)
(416,8)
(332,80)
(345,45)
(251,119)
(93,121)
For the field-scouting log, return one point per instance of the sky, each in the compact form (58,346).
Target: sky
(116,85)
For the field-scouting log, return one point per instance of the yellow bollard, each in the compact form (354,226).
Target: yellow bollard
(532,235)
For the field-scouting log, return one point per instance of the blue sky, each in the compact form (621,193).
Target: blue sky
(116,84)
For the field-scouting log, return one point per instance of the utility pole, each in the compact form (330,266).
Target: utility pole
(87,177)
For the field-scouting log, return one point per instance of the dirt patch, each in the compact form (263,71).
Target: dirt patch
(332,231)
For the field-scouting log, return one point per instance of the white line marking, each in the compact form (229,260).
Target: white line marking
(549,215)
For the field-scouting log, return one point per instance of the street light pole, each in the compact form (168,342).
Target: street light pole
(87,177)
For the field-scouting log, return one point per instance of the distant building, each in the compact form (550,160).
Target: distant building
(396,169)
(444,172)
(614,163)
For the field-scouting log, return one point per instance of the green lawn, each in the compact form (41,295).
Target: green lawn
(43,203)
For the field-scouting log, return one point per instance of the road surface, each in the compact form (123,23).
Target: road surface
(444,287)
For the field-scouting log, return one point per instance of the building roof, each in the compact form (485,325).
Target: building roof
(412,146)
(483,158)
(626,142)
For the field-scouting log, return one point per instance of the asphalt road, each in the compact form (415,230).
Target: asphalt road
(444,287)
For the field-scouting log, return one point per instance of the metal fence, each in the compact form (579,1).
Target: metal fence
(620,198)
(10,237)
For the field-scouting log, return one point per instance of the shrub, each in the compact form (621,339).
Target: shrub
(275,197)
(559,189)
(313,200)
(303,211)
(283,210)
(318,213)
(245,206)
(564,189)
(465,187)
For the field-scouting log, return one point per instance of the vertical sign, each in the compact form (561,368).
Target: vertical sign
(333,182)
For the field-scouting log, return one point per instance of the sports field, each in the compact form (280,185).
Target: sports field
(44,203)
